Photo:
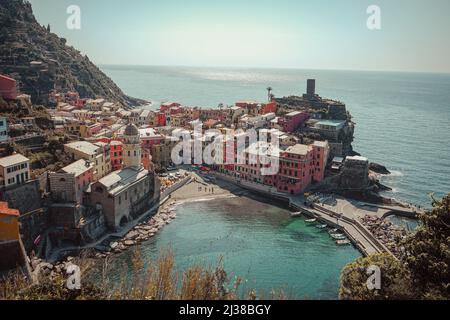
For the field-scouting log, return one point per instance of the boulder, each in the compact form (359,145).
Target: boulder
(114,245)
(378,168)
(129,243)
(132,235)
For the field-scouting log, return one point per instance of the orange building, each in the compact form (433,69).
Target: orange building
(9,223)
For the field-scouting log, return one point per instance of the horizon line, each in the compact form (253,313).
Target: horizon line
(272,68)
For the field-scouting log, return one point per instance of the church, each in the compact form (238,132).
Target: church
(124,195)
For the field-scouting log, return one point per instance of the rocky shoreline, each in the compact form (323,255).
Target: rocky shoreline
(142,232)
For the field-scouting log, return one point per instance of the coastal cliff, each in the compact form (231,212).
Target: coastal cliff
(41,61)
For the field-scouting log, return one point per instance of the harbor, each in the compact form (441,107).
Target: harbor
(255,237)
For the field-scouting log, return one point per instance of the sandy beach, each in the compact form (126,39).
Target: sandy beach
(199,190)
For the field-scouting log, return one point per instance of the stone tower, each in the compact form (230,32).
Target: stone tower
(131,147)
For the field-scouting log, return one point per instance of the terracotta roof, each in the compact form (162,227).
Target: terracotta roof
(4,209)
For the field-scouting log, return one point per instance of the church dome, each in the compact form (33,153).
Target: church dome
(131,130)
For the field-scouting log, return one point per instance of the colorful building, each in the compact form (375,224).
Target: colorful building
(10,249)
(292,121)
(270,107)
(14,170)
(161,119)
(9,223)
(69,184)
(8,88)
(116,155)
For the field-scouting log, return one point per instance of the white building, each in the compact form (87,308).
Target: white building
(14,170)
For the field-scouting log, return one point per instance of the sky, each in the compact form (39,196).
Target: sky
(305,34)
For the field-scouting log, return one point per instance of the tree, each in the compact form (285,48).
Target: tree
(423,272)
(395,279)
(269,94)
(48,27)
(427,252)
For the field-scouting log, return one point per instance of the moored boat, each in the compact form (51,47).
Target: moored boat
(296,214)
(343,242)
(338,236)
(321,226)
(310,220)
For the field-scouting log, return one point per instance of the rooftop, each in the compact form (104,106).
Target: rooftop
(78,167)
(293,113)
(333,123)
(4,209)
(147,132)
(357,158)
(84,146)
(13,160)
(117,181)
(321,144)
(300,149)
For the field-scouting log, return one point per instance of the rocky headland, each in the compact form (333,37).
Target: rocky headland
(40,61)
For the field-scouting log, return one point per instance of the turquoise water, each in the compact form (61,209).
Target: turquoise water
(402,118)
(258,241)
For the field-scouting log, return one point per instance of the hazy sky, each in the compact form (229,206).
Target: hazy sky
(312,34)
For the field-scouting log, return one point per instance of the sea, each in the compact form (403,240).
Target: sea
(402,122)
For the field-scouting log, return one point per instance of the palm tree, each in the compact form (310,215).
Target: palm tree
(269,93)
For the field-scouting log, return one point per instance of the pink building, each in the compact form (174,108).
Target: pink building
(300,165)
(168,105)
(150,138)
(69,184)
(321,151)
(292,121)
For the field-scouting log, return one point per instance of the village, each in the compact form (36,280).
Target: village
(77,170)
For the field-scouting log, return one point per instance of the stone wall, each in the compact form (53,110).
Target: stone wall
(62,187)
(11,255)
(25,197)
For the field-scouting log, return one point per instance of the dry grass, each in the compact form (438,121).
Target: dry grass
(153,280)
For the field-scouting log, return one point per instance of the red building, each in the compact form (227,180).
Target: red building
(269,108)
(292,121)
(169,105)
(8,88)
(161,119)
(116,154)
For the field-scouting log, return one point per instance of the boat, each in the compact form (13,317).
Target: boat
(321,226)
(333,231)
(296,214)
(343,242)
(310,220)
(338,236)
